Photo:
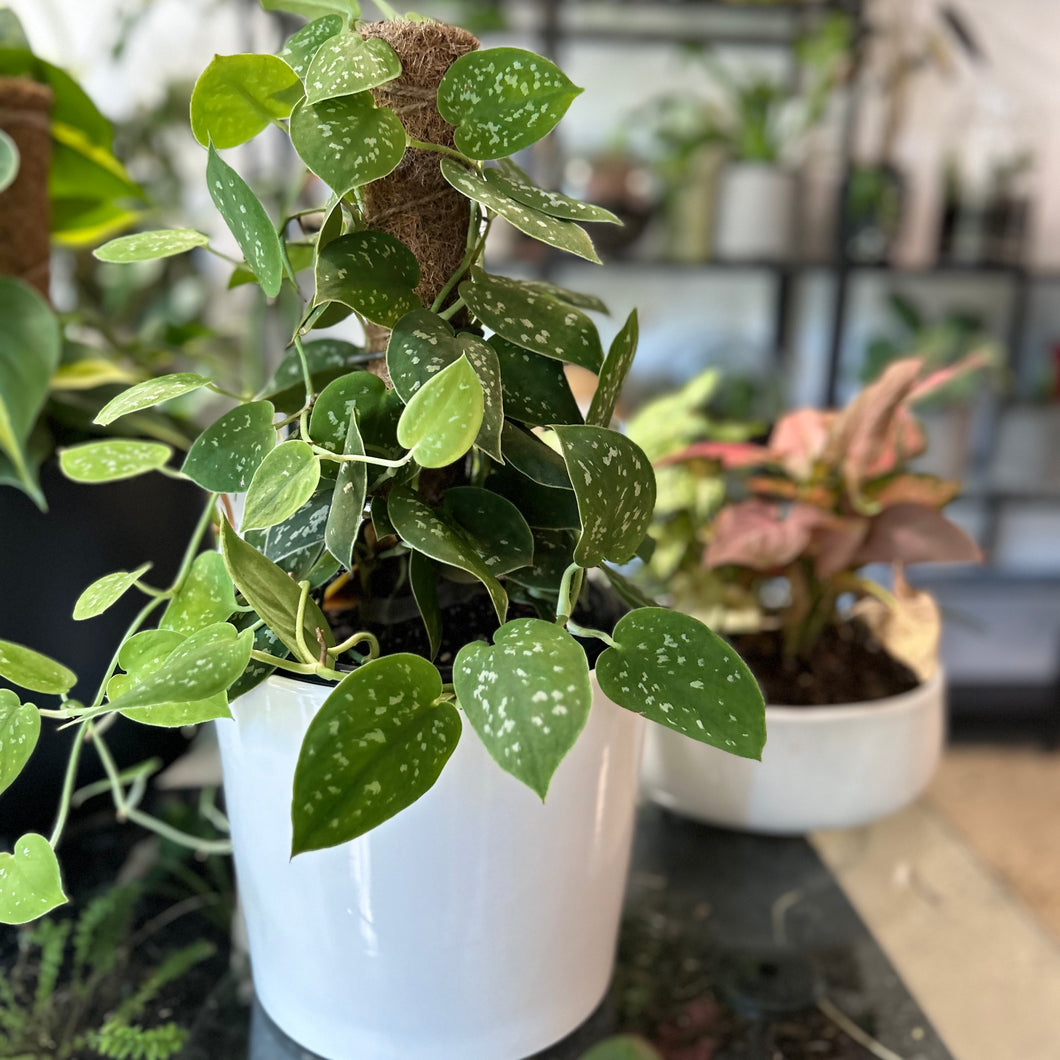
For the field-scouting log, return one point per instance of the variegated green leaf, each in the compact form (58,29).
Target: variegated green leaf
(553,554)
(296,544)
(284,481)
(508,179)
(360,392)
(327,360)
(225,456)
(347,506)
(535,388)
(372,273)
(30,884)
(348,141)
(534,319)
(423,580)
(149,393)
(672,669)
(237,96)
(347,64)
(9,161)
(302,45)
(113,459)
(484,360)
(492,525)
(502,100)
(247,221)
(376,745)
(148,246)
(442,420)
(613,374)
(19,732)
(205,597)
(421,344)
(30,669)
(105,591)
(615,487)
(530,456)
(528,697)
(568,297)
(563,235)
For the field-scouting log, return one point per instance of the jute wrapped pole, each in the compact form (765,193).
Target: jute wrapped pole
(25,248)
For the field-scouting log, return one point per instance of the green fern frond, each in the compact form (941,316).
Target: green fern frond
(118,1040)
(173,967)
(50,936)
(101,930)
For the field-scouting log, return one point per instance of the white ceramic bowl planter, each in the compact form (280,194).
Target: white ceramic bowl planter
(478,924)
(822,767)
(755,212)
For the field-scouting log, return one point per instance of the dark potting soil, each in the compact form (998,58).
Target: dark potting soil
(848,665)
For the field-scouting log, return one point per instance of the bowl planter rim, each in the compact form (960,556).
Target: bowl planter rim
(903,702)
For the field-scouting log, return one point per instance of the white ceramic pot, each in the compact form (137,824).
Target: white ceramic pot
(755,212)
(478,924)
(822,767)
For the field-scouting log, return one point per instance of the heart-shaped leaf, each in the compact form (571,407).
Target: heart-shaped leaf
(205,597)
(347,64)
(284,481)
(225,456)
(237,96)
(440,423)
(436,533)
(296,544)
(535,388)
(105,591)
(613,374)
(421,344)
(529,455)
(149,393)
(376,745)
(672,669)
(30,346)
(114,459)
(534,319)
(19,731)
(30,885)
(301,46)
(347,505)
(348,141)
(423,581)
(247,221)
(502,100)
(360,392)
(371,272)
(272,593)
(527,697)
(508,179)
(148,246)
(492,524)
(9,161)
(615,487)
(30,669)
(563,235)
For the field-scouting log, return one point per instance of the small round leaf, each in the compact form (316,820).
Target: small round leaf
(442,420)
(30,884)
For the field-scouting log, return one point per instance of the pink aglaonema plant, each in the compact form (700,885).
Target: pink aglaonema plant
(830,492)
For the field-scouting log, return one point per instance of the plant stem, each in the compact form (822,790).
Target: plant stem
(441,149)
(583,631)
(451,311)
(68,789)
(327,454)
(306,378)
(568,596)
(363,637)
(476,240)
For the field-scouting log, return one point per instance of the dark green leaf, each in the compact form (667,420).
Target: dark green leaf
(502,100)
(420,346)
(114,459)
(508,179)
(225,456)
(424,584)
(360,392)
(527,697)
(492,524)
(443,418)
(372,273)
(672,669)
(148,246)
(553,554)
(487,367)
(206,597)
(256,672)
(301,46)
(543,507)
(296,544)
(533,458)
(347,507)
(347,64)
(631,594)
(535,388)
(377,744)
(105,591)
(327,360)
(284,481)
(615,487)
(568,297)
(613,374)
(149,393)
(19,731)
(31,882)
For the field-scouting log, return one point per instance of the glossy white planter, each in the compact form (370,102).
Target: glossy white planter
(755,213)
(478,924)
(823,767)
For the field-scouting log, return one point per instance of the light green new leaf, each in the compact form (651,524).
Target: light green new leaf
(534,319)
(284,481)
(347,505)
(247,221)
(237,96)
(19,731)
(563,235)
(301,46)
(105,591)
(527,697)
(349,9)
(510,180)
(27,668)
(613,374)
(30,346)
(436,534)
(205,597)
(113,459)
(377,744)
(30,885)
(272,593)
(348,141)
(440,423)
(149,393)
(672,669)
(615,487)
(225,456)
(502,100)
(372,273)
(348,64)
(535,388)
(9,161)
(148,246)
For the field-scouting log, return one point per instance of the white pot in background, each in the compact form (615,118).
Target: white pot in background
(755,212)
(823,767)
(477,924)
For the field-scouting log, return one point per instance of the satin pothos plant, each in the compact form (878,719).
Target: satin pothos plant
(445,460)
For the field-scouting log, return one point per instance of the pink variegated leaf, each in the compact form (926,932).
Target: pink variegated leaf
(971,362)
(911,533)
(758,535)
(728,454)
(835,541)
(928,490)
(799,439)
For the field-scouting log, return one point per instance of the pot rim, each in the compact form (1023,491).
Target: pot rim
(905,702)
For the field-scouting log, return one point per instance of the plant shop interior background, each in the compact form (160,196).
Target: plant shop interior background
(809,190)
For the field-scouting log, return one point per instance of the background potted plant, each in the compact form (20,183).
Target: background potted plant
(405,501)
(855,693)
